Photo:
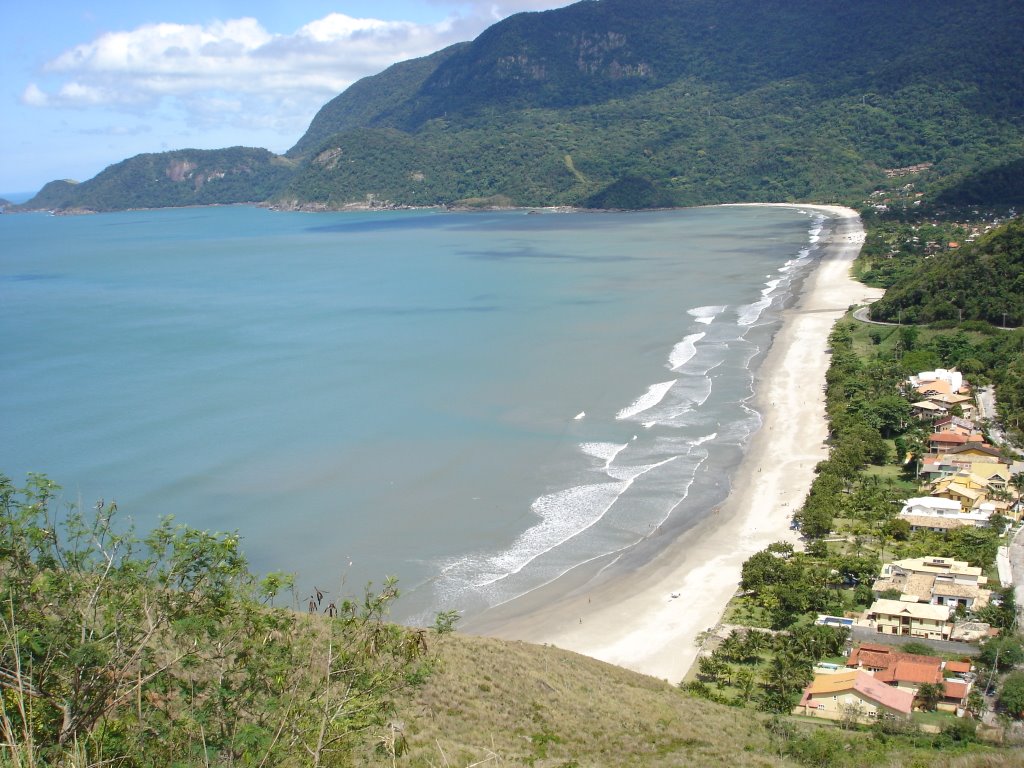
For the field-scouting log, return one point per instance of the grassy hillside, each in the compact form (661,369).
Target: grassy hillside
(491,702)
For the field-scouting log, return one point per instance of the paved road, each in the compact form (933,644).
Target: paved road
(869,635)
(1017,566)
(862,315)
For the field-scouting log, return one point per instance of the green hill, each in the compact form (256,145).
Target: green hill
(982,281)
(708,101)
(172,179)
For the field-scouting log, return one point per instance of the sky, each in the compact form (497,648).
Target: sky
(87,83)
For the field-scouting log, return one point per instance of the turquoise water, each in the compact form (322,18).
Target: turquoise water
(472,402)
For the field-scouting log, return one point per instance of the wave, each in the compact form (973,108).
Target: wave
(654,395)
(705,314)
(816,227)
(770,286)
(702,440)
(605,451)
(749,314)
(564,515)
(684,350)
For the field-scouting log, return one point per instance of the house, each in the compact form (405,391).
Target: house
(969,452)
(954,696)
(956,425)
(947,568)
(856,695)
(934,590)
(939,581)
(932,506)
(935,524)
(939,380)
(951,488)
(957,668)
(907,671)
(942,442)
(903,617)
(994,475)
(948,401)
(925,409)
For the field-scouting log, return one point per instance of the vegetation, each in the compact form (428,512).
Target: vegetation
(172,179)
(166,650)
(670,102)
(981,281)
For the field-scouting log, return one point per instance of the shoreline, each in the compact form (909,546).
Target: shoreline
(632,619)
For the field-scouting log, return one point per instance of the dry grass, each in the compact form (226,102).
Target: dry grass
(497,704)
(500,704)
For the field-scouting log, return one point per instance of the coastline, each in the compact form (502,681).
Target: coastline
(631,618)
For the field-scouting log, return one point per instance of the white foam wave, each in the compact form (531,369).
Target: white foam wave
(705,314)
(604,451)
(684,350)
(816,227)
(702,440)
(579,415)
(654,395)
(750,313)
(770,286)
(564,515)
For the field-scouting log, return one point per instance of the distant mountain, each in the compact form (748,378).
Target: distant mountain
(654,102)
(172,179)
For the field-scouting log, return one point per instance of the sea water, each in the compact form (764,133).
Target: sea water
(474,403)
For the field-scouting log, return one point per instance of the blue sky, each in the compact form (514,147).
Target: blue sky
(86,83)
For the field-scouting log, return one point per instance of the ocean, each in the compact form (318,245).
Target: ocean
(474,403)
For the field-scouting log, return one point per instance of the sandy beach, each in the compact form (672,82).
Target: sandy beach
(632,619)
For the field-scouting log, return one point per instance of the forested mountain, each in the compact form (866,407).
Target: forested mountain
(686,101)
(983,281)
(172,179)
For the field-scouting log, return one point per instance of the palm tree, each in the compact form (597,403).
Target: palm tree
(745,682)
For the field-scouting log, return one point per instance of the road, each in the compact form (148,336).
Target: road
(1016,551)
(869,635)
(862,315)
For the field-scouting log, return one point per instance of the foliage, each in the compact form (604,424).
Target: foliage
(701,101)
(1003,652)
(928,696)
(165,648)
(979,281)
(173,179)
(1011,695)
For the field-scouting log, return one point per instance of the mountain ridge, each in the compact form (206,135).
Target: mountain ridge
(705,102)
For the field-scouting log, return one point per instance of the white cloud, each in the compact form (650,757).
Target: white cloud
(236,72)
(33,96)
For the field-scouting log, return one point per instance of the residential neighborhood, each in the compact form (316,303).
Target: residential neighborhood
(910,588)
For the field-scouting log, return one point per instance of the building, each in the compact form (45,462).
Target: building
(907,671)
(934,580)
(854,695)
(939,381)
(946,568)
(923,509)
(904,617)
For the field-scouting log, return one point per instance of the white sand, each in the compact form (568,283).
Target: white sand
(633,621)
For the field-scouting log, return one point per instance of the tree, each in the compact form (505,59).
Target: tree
(760,570)
(166,649)
(1011,695)
(746,682)
(1002,653)
(928,696)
